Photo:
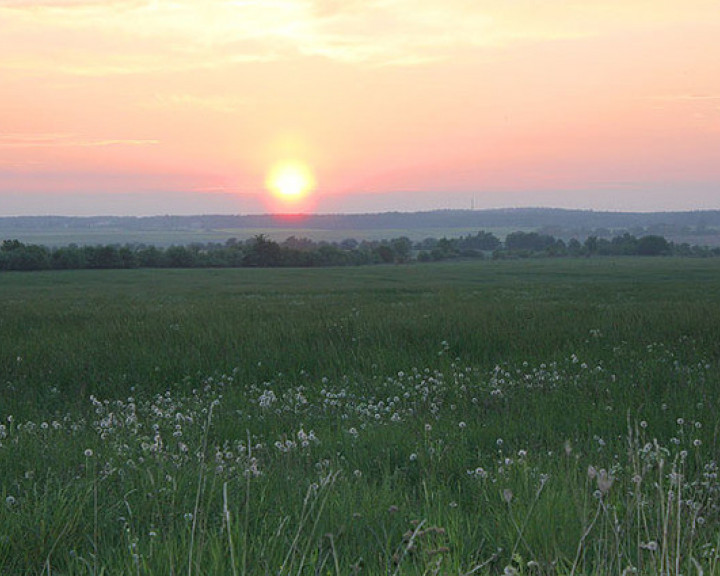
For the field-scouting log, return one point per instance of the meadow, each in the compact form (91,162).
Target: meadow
(554,416)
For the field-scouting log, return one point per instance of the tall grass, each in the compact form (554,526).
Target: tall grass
(545,417)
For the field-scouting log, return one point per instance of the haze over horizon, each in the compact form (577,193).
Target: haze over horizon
(146,107)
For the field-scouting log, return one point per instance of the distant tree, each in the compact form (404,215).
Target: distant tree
(652,245)
(68,258)
(530,241)
(150,257)
(591,245)
(426,244)
(179,257)
(104,257)
(302,244)
(402,248)
(384,253)
(349,244)
(10,245)
(480,241)
(574,247)
(445,248)
(24,257)
(262,252)
(329,255)
(128,258)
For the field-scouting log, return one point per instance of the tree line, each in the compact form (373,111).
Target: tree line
(261,251)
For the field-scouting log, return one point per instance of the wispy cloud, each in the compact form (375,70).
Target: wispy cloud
(36,5)
(687,97)
(52,139)
(220,104)
(187,33)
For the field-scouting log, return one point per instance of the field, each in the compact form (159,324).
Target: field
(54,237)
(535,417)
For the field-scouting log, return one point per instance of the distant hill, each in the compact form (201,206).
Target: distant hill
(695,227)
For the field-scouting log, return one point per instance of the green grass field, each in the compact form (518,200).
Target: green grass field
(117,236)
(533,417)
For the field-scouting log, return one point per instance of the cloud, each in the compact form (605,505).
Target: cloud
(53,139)
(688,97)
(220,104)
(111,37)
(35,5)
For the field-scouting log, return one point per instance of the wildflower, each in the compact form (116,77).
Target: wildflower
(462,425)
(428,427)
(267,398)
(88,453)
(651,546)
(697,442)
(604,481)
(10,500)
(507,495)
(413,457)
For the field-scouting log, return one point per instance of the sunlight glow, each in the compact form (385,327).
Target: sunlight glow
(290,182)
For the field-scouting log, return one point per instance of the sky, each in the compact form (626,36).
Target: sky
(140,107)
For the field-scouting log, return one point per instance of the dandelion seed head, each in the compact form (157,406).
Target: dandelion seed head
(604,481)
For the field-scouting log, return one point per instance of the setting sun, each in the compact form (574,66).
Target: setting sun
(290,182)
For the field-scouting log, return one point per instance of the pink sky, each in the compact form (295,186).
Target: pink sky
(183,106)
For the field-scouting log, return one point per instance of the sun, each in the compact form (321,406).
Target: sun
(290,182)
